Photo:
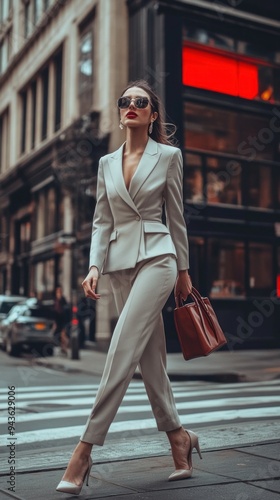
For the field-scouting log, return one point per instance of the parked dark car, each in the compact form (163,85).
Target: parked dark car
(29,325)
(7,302)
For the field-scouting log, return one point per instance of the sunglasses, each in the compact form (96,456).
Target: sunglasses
(139,102)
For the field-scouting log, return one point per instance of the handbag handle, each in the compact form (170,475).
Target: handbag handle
(199,303)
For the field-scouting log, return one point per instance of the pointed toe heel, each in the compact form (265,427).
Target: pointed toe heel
(187,473)
(72,488)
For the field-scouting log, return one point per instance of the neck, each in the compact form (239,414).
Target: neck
(136,140)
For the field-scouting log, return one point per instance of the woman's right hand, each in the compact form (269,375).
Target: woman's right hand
(90,283)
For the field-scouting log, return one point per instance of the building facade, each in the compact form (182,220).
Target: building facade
(217,66)
(63,64)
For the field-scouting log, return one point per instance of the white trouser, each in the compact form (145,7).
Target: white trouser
(138,338)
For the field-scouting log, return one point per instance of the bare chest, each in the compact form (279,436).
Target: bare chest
(130,164)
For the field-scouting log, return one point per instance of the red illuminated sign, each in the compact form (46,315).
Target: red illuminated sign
(219,73)
(278,285)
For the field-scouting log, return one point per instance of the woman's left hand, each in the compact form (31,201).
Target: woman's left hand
(183,286)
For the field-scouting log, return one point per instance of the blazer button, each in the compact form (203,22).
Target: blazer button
(137,218)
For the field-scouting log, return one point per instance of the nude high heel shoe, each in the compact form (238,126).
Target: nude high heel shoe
(186,473)
(72,488)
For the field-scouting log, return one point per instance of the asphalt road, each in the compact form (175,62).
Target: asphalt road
(51,408)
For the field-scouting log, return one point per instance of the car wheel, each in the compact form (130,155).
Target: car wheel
(12,350)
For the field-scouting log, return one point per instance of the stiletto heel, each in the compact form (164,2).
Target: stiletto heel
(186,473)
(195,442)
(72,488)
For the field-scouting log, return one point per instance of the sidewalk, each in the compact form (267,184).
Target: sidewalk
(220,366)
(240,460)
(239,473)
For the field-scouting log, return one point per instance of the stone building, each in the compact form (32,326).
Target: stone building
(63,64)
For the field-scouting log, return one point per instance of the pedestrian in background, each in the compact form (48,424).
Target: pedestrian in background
(144,260)
(61,319)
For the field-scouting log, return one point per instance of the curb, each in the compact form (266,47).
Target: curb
(228,377)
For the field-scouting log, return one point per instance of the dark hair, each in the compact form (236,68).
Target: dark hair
(161,130)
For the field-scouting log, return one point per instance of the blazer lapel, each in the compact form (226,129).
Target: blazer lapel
(117,177)
(146,165)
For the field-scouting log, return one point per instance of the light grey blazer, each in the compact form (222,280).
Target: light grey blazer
(127,223)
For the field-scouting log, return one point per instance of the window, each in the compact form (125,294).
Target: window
(44,276)
(219,63)
(36,10)
(46,4)
(260,186)
(39,126)
(51,212)
(278,273)
(58,61)
(193,182)
(4,234)
(224,130)
(205,37)
(24,237)
(3,55)
(261,267)
(40,215)
(223,181)
(227,269)
(33,112)
(85,84)
(46,213)
(5,10)
(23,120)
(4,141)
(45,98)
(27,19)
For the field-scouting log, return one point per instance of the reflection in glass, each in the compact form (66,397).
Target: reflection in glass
(227,269)
(260,187)
(223,181)
(213,129)
(193,182)
(261,266)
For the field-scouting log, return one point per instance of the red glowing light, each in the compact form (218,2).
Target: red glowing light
(219,73)
(278,285)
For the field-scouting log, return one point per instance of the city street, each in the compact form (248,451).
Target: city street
(52,407)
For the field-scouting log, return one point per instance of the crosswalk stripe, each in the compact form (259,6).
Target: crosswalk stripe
(207,404)
(197,403)
(140,425)
(86,399)
(139,385)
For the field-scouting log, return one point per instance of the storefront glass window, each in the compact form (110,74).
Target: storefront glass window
(226,263)
(260,186)
(204,36)
(261,266)
(215,129)
(223,181)
(193,182)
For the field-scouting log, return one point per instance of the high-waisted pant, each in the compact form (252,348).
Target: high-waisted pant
(138,339)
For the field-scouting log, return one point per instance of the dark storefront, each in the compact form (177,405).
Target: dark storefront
(217,68)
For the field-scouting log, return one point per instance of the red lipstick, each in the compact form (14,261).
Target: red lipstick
(130,114)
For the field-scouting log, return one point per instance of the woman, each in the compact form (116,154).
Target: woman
(144,259)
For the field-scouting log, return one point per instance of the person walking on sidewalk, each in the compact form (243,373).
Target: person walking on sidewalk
(60,309)
(144,259)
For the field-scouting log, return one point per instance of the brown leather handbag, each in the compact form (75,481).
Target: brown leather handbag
(197,326)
